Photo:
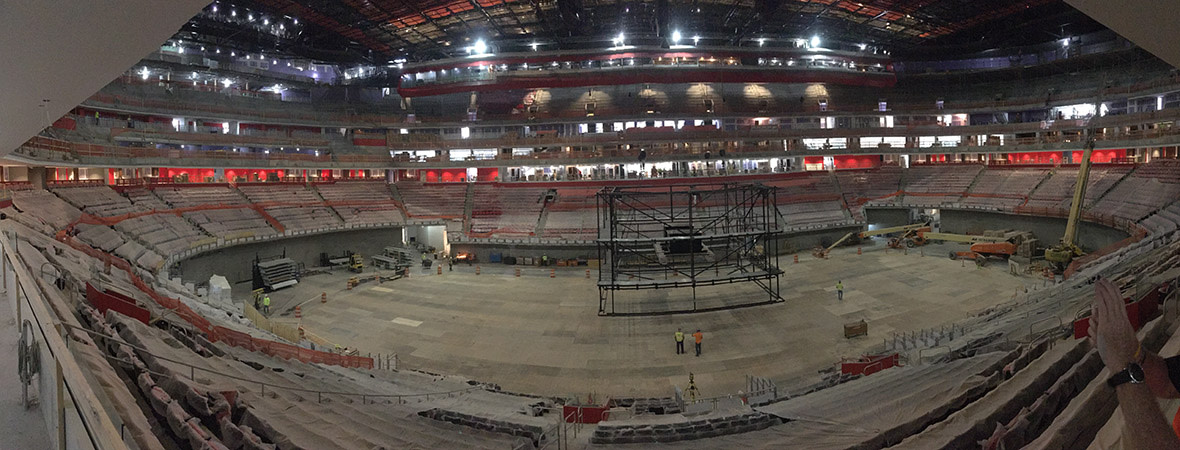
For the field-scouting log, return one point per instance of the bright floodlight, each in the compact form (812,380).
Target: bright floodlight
(863,46)
(695,39)
(676,37)
(618,40)
(227,82)
(761,41)
(534,46)
(815,41)
(480,47)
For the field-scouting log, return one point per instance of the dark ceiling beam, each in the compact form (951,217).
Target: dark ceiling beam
(764,11)
(491,20)
(572,15)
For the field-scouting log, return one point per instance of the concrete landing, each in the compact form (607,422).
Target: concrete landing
(542,335)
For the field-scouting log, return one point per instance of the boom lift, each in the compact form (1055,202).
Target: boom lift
(1061,254)
(906,230)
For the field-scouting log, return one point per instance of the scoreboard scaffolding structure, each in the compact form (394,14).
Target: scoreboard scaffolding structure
(686,237)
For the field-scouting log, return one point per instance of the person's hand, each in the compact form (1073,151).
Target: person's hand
(1110,328)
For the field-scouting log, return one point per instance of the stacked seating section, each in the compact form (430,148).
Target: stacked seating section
(217,409)
(505,211)
(364,203)
(299,209)
(880,186)
(808,200)
(1147,189)
(164,234)
(231,223)
(938,184)
(99,201)
(188,196)
(1003,188)
(1166,220)
(446,201)
(573,214)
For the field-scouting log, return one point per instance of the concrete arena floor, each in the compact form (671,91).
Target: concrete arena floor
(543,336)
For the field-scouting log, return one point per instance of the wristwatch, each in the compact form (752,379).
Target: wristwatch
(1132,374)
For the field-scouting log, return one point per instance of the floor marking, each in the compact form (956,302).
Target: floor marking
(381,289)
(406,322)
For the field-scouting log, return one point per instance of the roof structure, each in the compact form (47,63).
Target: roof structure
(376,31)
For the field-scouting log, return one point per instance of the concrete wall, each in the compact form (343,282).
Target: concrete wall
(1048,230)
(235,263)
(796,242)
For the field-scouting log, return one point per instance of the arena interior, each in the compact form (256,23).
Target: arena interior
(387,224)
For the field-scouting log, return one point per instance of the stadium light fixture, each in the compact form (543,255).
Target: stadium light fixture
(676,37)
(227,82)
(534,46)
(145,72)
(479,48)
(815,42)
(1065,42)
(761,41)
(695,40)
(250,17)
(863,47)
(619,40)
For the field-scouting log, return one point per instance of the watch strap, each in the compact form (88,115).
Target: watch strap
(1122,377)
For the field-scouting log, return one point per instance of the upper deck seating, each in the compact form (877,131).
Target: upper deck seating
(504,210)
(878,185)
(98,200)
(433,200)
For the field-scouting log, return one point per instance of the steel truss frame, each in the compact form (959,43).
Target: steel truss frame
(687,237)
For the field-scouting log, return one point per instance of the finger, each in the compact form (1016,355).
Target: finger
(1111,299)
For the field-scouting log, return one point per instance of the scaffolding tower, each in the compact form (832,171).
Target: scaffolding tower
(686,237)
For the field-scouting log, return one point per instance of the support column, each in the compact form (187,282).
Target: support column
(37,176)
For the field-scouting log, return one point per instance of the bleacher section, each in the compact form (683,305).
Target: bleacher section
(229,412)
(145,199)
(1003,189)
(938,184)
(52,213)
(433,201)
(167,234)
(505,211)
(301,211)
(98,200)
(183,197)
(1147,189)
(572,215)
(231,223)
(808,200)
(373,202)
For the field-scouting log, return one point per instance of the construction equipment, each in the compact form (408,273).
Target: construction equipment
(353,261)
(982,251)
(1064,252)
(395,258)
(356,263)
(821,252)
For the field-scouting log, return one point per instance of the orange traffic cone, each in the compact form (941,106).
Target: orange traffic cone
(552,273)
(323,297)
(796,259)
(477,270)
(298,312)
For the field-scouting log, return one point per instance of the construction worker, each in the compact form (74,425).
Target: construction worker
(698,336)
(266,305)
(839,290)
(679,336)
